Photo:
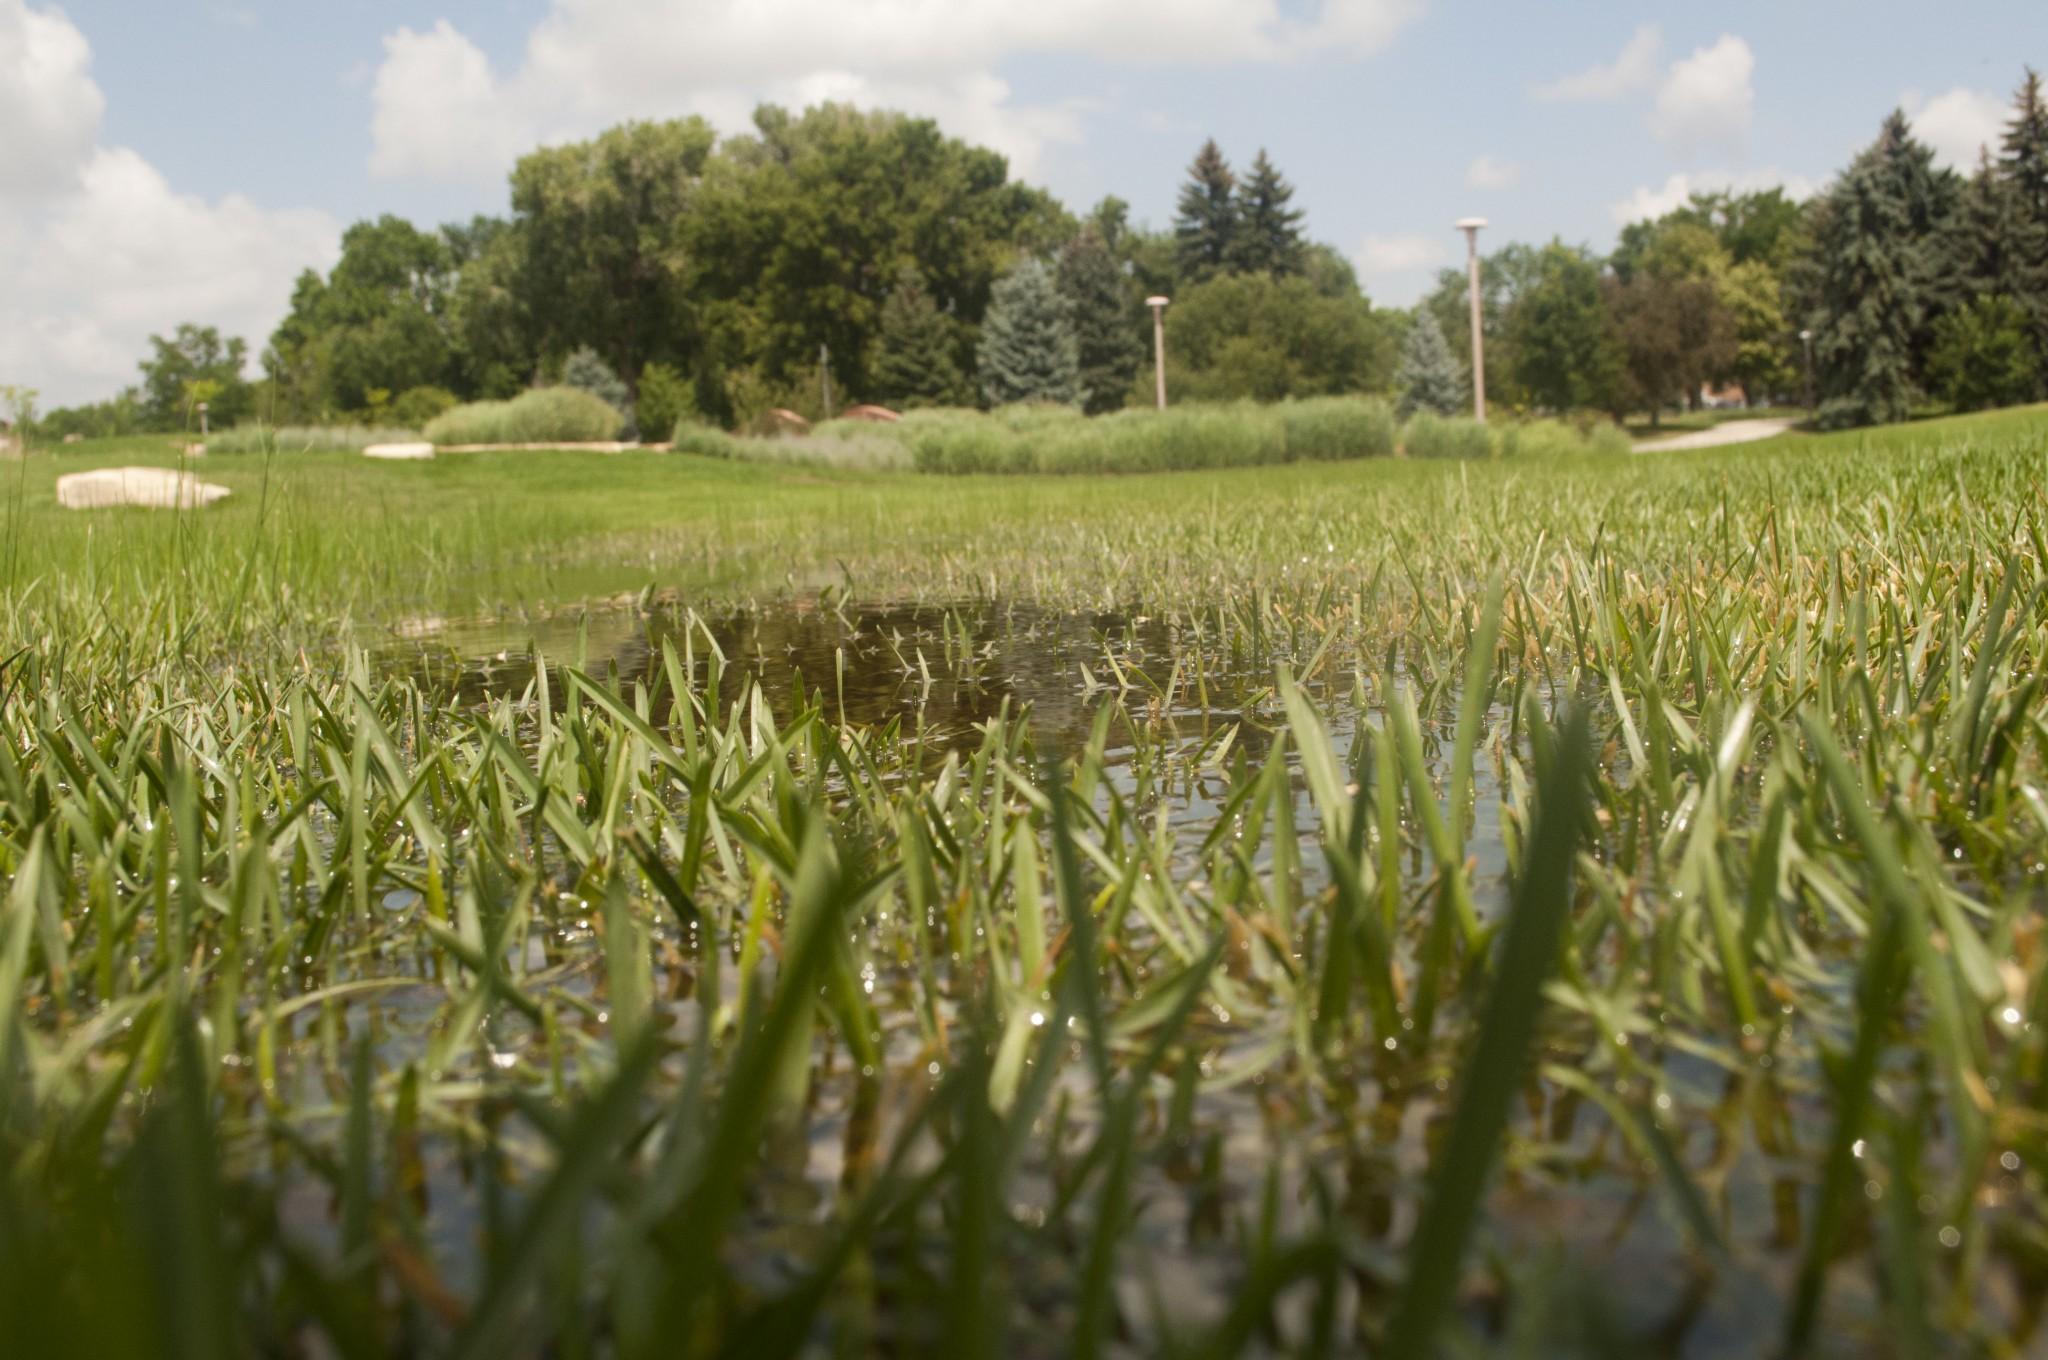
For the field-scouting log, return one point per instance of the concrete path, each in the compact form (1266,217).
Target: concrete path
(1728,432)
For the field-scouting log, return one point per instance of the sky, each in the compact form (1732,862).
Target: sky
(182,160)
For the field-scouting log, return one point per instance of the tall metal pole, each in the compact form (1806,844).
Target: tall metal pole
(1470,226)
(825,376)
(1806,339)
(1158,306)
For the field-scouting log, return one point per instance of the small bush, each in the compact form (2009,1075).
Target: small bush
(1435,436)
(1338,427)
(418,405)
(704,441)
(547,415)
(304,439)
(666,401)
(1609,439)
(586,371)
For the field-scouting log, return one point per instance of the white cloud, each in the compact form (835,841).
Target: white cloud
(109,253)
(49,106)
(440,110)
(1706,99)
(1654,201)
(1627,74)
(1958,124)
(1491,172)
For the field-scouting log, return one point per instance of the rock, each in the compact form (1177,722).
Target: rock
(781,420)
(154,488)
(404,452)
(76,438)
(879,414)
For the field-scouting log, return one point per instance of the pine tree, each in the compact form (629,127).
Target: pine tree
(2023,168)
(1105,330)
(1268,236)
(1205,230)
(1430,377)
(586,370)
(2024,162)
(914,364)
(1028,351)
(1867,289)
(1976,252)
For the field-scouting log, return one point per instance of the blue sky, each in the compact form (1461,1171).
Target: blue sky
(164,160)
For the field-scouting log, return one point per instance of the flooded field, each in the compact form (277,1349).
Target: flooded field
(1597,947)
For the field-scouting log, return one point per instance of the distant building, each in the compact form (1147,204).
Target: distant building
(1727,398)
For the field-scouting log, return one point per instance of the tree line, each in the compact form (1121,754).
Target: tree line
(861,253)
(869,256)
(1912,284)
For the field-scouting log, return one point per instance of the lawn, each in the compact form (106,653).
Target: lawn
(578,904)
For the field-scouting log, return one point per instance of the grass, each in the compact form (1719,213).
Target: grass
(545,415)
(305,439)
(1555,905)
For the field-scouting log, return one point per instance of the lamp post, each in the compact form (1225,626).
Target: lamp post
(202,420)
(1158,306)
(1806,339)
(1470,226)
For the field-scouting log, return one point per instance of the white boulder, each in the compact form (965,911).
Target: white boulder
(406,452)
(153,488)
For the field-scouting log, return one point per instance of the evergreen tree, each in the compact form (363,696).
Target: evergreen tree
(914,346)
(586,370)
(2023,169)
(1983,356)
(1028,351)
(1977,251)
(1867,293)
(2024,161)
(1206,227)
(1268,236)
(1099,304)
(1430,377)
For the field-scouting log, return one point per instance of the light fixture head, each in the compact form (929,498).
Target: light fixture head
(1471,223)
(1156,301)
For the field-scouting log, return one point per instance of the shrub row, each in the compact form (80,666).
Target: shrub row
(1433,436)
(1241,434)
(547,415)
(304,439)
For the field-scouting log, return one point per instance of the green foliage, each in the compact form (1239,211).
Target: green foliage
(1427,435)
(1105,323)
(307,438)
(667,400)
(1266,338)
(1028,352)
(1675,334)
(1205,228)
(915,345)
(1183,437)
(415,407)
(1558,438)
(1429,377)
(546,415)
(122,415)
(586,371)
(1984,355)
(1562,344)
(1267,231)
(1868,284)
(194,354)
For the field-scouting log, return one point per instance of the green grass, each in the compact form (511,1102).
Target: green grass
(543,415)
(1559,904)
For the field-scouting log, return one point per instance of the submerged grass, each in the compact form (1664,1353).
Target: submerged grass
(1561,906)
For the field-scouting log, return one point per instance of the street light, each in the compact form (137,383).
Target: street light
(1470,226)
(202,420)
(1158,306)
(1806,339)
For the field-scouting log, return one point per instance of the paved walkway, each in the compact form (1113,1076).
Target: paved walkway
(1728,432)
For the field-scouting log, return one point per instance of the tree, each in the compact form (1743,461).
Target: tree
(1984,356)
(665,401)
(1503,277)
(797,235)
(194,354)
(913,364)
(1865,284)
(1565,354)
(1430,377)
(2023,169)
(1205,231)
(1267,338)
(1028,351)
(1268,231)
(600,261)
(1099,305)
(1766,361)
(586,371)
(1675,336)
